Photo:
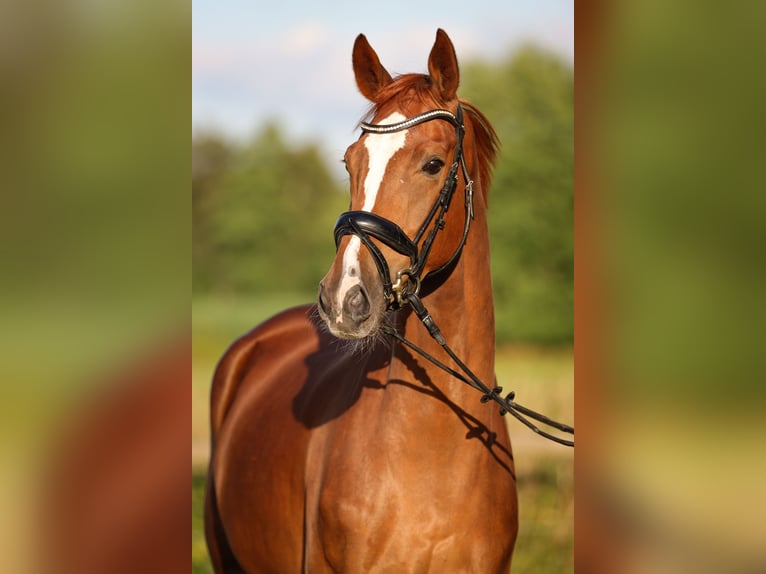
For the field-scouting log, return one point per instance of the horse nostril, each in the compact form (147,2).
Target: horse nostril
(357,304)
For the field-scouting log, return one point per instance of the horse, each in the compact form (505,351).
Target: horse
(335,448)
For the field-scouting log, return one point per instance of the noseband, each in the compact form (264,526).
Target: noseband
(366,225)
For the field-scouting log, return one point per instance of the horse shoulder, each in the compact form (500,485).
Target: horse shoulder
(290,325)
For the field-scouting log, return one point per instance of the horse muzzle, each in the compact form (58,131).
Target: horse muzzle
(351,299)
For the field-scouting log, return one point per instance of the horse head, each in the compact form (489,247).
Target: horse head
(403,170)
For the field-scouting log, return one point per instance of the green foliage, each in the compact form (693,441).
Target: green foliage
(263,212)
(211,158)
(529,100)
(200,560)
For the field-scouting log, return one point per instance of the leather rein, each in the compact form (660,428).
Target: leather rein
(405,290)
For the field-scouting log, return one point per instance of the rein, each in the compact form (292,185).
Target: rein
(364,225)
(507,404)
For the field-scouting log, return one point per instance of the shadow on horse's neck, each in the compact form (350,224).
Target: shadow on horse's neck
(333,388)
(476,429)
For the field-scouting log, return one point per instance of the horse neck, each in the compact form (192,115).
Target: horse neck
(462,307)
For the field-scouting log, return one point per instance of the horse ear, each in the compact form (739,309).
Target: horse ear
(443,68)
(370,74)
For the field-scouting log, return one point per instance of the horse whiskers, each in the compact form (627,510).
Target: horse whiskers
(316,319)
(355,347)
(363,347)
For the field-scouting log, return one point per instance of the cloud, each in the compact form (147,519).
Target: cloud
(305,39)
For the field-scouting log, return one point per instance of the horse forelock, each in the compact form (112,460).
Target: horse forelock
(408,89)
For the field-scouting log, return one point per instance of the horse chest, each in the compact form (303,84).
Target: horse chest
(380,500)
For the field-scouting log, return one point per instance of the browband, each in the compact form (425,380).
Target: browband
(409,122)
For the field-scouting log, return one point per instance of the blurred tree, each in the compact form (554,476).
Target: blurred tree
(267,220)
(529,100)
(211,158)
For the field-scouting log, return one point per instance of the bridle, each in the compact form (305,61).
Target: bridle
(406,289)
(364,224)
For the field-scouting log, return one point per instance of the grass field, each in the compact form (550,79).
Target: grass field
(542,378)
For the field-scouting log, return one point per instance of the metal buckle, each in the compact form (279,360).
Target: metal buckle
(403,289)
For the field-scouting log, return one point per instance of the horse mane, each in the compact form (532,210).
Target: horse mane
(418,87)
(487,144)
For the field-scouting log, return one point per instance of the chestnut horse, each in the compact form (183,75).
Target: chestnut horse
(334,447)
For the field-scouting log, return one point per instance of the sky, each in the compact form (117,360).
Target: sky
(290,61)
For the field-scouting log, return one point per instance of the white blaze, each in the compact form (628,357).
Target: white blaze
(380,149)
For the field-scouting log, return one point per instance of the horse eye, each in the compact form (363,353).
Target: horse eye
(433,166)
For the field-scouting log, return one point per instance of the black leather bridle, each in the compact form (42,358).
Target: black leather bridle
(365,225)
